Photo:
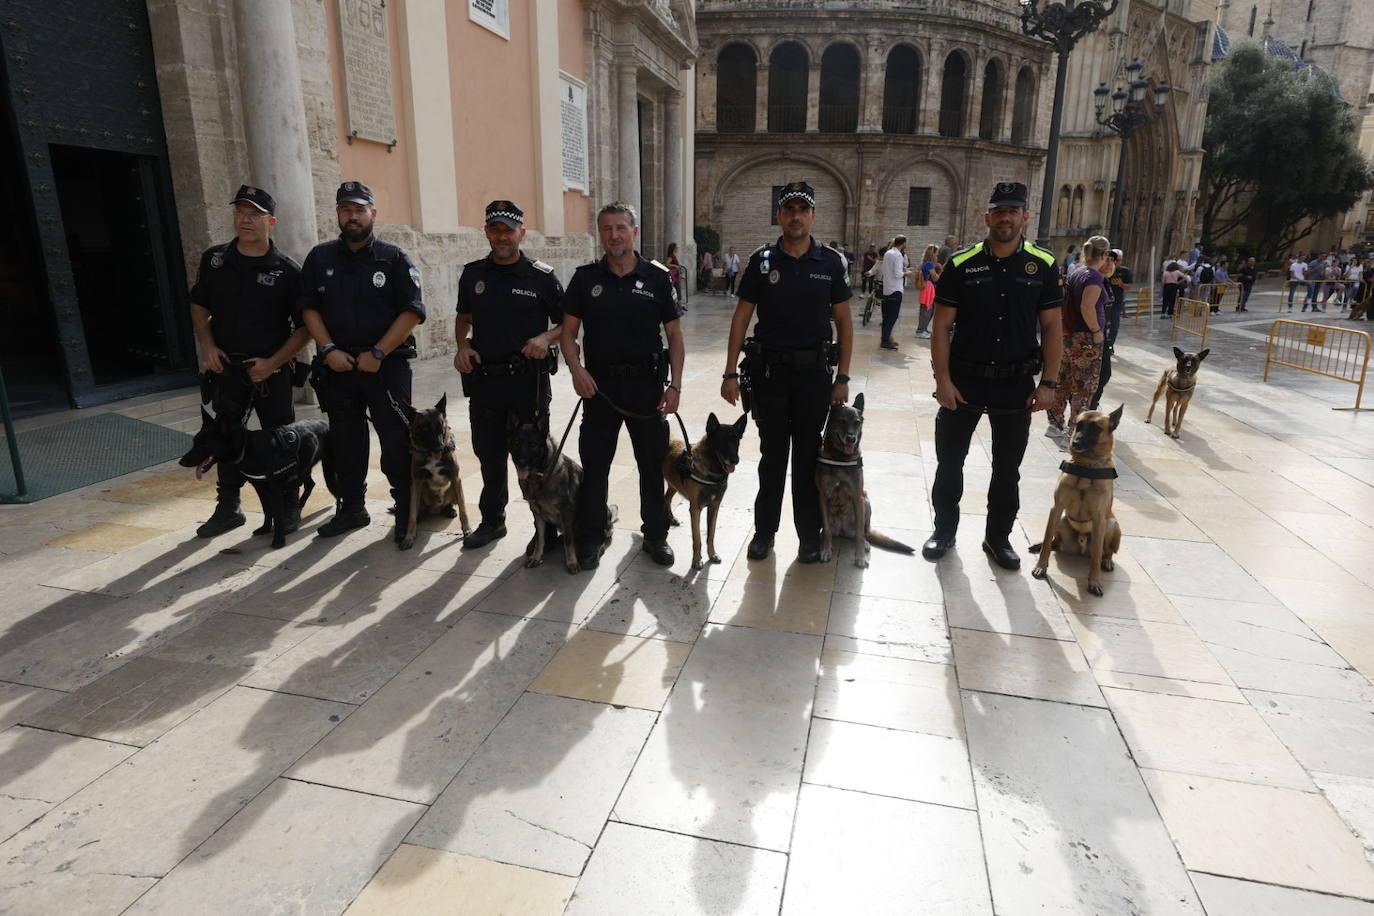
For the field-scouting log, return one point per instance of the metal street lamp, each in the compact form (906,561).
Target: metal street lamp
(1061,23)
(1127,116)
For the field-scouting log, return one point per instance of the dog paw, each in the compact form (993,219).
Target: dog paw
(697,563)
(448,512)
(1095,589)
(1039,572)
(405,543)
(714,559)
(573,568)
(861,562)
(1173,435)
(825,555)
(532,562)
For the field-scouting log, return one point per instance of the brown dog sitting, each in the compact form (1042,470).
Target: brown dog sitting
(1177,386)
(702,475)
(1082,522)
(845,509)
(435,483)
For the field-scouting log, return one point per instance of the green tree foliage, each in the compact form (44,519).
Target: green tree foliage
(1281,151)
(706,238)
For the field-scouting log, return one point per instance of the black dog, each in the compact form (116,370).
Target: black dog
(550,487)
(277,462)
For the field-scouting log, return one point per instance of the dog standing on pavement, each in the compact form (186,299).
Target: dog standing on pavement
(436,485)
(278,462)
(845,510)
(701,475)
(1177,386)
(1082,522)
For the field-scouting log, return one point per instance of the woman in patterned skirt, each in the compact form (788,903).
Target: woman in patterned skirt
(1085,315)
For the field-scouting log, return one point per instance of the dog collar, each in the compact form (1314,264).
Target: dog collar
(1181,388)
(853,462)
(1079,470)
(704,481)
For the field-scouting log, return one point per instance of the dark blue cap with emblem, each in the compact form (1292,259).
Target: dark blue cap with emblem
(1009,194)
(354,192)
(503,211)
(796,190)
(257,197)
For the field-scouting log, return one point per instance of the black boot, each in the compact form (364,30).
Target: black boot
(226,517)
(346,519)
(489,530)
(761,545)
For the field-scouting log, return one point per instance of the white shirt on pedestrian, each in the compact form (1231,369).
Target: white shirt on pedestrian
(894,271)
(731,264)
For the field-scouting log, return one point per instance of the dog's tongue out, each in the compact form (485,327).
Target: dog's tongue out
(729,469)
(202,468)
(521,474)
(847,448)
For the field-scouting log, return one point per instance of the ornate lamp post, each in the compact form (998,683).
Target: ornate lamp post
(1127,116)
(1061,23)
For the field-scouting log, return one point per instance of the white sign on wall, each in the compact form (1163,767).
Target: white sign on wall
(573,111)
(491,14)
(367,70)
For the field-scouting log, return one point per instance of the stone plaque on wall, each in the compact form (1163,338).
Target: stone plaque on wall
(367,70)
(573,111)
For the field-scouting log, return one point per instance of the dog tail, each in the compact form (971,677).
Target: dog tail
(878,539)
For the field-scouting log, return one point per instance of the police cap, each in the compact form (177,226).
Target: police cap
(797,190)
(257,197)
(1008,194)
(354,192)
(503,211)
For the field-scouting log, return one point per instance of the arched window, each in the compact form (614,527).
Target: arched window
(839,89)
(901,90)
(737,74)
(953,88)
(994,90)
(1023,108)
(787,73)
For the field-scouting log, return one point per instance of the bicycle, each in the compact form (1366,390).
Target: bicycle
(870,304)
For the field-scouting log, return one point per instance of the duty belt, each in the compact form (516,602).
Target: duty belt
(624,370)
(801,360)
(516,364)
(994,372)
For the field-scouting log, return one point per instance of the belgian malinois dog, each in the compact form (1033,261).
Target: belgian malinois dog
(845,510)
(549,486)
(701,476)
(1082,522)
(278,462)
(436,485)
(1177,386)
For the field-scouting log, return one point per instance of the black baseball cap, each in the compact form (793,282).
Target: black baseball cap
(503,211)
(257,197)
(354,192)
(796,190)
(1009,194)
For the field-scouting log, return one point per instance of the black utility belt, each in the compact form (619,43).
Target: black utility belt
(655,367)
(994,372)
(803,360)
(519,364)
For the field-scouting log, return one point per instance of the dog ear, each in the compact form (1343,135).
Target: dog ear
(1203,355)
(1179,354)
(1115,417)
(859,403)
(742,424)
(442,405)
(712,424)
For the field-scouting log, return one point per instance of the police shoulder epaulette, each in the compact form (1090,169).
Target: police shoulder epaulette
(760,248)
(541,266)
(1040,253)
(662,267)
(964,254)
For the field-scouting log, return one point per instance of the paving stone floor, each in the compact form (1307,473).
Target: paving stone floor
(215,727)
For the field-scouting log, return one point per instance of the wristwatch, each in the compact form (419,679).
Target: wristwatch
(841,379)
(1050,383)
(378,352)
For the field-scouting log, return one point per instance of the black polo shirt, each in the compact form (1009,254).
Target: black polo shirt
(1122,273)
(359,293)
(999,301)
(251,300)
(621,316)
(794,297)
(508,303)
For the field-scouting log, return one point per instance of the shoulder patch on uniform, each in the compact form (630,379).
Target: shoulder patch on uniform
(661,267)
(960,257)
(760,248)
(541,266)
(1040,253)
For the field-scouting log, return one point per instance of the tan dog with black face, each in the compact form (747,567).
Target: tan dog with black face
(1081,522)
(1177,386)
(845,509)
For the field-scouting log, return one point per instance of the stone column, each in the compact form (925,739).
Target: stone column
(274,118)
(874,70)
(627,185)
(813,97)
(672,167)
(761,100)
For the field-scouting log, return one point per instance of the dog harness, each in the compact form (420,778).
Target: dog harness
(1180,388)
(836,463)
(1079,470)
(285,441)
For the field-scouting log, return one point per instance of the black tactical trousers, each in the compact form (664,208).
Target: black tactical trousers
(597,441)
(790,408)
(491,399)
(234,396)
(1004,404)
(349,399)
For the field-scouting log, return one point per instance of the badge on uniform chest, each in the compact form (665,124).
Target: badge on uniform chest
(1032,268)
(379,279)
(596,290)
(480,288)
(216,261)
(774,276)
(639,284)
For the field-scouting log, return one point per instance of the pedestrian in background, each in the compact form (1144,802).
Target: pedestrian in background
(675,274)
(1085,316)
(895,273)
(948,248)
(731,264)
(926,278)
(1173,280)
(1247,274)
(870,258)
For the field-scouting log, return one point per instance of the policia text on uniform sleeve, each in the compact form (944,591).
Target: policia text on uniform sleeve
(361,300)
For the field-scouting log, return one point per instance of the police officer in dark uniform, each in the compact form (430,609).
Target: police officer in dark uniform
(995,297)
(799,287)
(620,302)
(361,301)
(242,308)
(508,302)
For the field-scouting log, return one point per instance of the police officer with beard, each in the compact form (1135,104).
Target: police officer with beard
(242,306)
(1004,295)
(508,302)
(361,301)
(799,287)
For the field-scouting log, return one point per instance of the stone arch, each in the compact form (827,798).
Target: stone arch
(744,192)
(945,200)
(841,66)
(1023,105)
(737,71)
(902,89)
(955,77)
(789,65)
(990,107)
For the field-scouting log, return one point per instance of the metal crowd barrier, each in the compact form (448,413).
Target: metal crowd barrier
(1339,353)
(1219,294)
(1139,313)
(1191,316)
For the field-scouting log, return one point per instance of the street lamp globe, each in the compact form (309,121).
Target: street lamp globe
(1162,94)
